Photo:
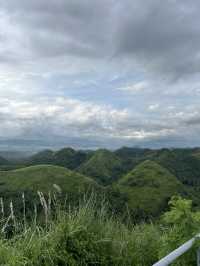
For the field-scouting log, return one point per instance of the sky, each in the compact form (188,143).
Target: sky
(91,73)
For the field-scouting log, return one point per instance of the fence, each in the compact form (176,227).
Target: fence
(178,252)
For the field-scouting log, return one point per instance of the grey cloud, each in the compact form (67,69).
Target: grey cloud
(44,40)
(63,27)
(194,121)
(165,33)
(162,35)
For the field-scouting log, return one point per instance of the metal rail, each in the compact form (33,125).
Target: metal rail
(178,252)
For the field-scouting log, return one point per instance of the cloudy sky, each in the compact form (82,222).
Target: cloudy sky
(91,73)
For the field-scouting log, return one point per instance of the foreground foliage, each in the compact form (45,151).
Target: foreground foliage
(88,235)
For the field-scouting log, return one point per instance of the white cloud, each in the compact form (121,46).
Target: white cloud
(58,115)
(135,88)
(154,107)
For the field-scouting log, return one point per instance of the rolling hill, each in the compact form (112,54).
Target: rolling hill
(148,188)
(44,178)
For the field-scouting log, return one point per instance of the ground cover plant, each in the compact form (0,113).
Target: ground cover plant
(89,234)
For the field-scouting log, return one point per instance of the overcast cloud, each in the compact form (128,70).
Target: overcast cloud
(100,73)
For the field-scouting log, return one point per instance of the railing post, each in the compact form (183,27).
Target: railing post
(198,257)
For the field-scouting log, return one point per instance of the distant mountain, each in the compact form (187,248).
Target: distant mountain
(130,157)
(3,161)
(70,158)
(148,188)
(43,157)
(15,155)
(104,166)
(66,157)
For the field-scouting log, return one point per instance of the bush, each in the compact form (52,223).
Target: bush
(88,235)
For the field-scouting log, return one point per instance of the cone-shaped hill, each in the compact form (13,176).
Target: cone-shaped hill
(43,157)
(69,158)
(104,166)
(66,157)
(148,187)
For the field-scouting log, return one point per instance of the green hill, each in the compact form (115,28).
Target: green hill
(66,157)
(131,157)
(148,188)
(44,178)
(69,158)
(43,157)
(104,166)
(182,163)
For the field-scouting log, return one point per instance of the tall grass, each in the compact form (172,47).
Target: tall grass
(78,235)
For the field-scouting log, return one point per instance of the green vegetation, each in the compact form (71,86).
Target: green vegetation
(88,235)
(44,178)
(43,157)
(104,166)
(148,187)
(66,157)
(132,226)
(169,171)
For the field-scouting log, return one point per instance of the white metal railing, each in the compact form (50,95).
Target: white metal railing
(178,252)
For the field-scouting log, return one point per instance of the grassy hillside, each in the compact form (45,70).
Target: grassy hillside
(104,166)
(148,187)
(107,166)
(43,178)
(183,163)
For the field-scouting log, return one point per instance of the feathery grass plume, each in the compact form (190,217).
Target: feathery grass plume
(57,188)
(49,203)
(65,201)
(2,207)
(35,214)
(24,210)
(12,215)
(44,205)
(12,211)
(6,224)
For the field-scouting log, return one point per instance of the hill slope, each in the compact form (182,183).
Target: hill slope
(42,178)
(148,188)
(183,163)
(104,166)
